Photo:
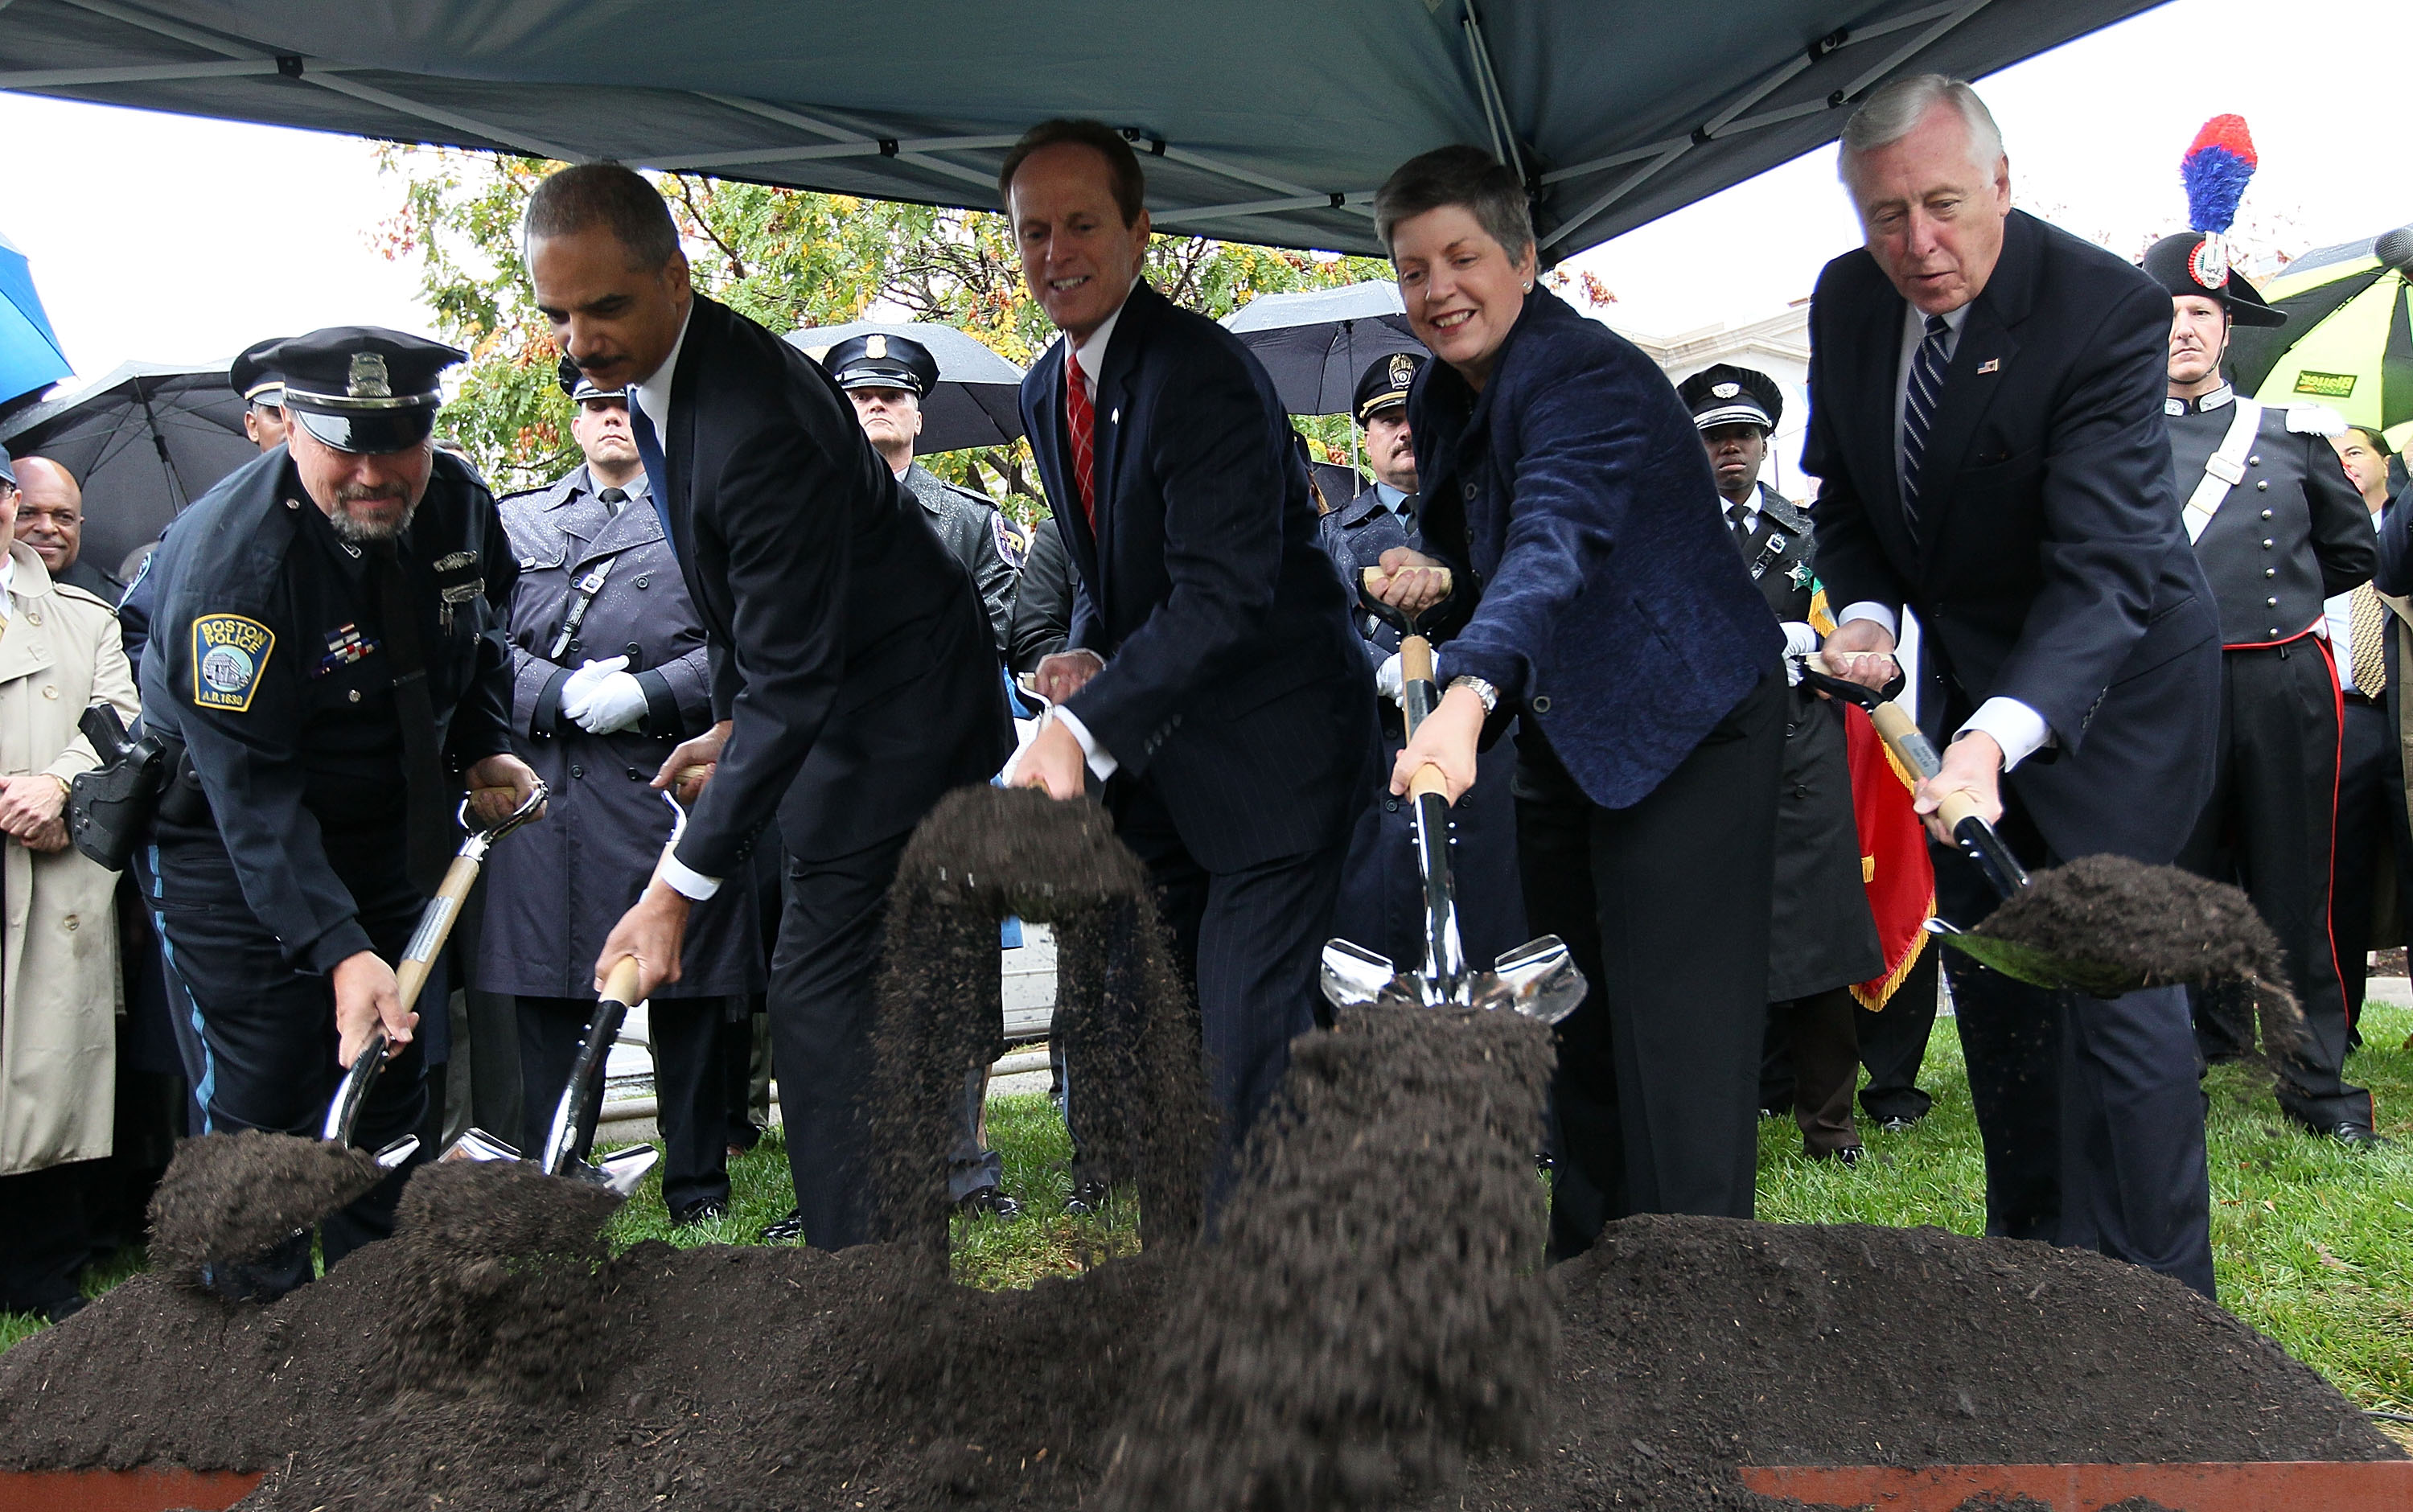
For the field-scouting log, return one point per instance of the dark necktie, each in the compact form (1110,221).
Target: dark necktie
(431,831)
(1739,515)
(1919,410)
(1081,428)
(613,499)
(649,451)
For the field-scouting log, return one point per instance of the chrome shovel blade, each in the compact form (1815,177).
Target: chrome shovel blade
(478,1144)
(1538,979)
(621,1170)
(1353,976)
(391,1156)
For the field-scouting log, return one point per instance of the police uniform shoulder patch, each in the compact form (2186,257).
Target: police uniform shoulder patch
(229,653)
(1009,545)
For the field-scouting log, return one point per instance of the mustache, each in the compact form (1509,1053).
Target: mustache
(362,493)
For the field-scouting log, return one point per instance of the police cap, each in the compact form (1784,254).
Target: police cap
(362,388)
(879,361)
(1385,383)
(581,387)
(252,378)
(8,473)
(2197,262)
(1729,395)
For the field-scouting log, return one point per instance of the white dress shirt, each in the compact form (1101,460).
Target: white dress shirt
(651,394)
(1092,355)
(2016,727)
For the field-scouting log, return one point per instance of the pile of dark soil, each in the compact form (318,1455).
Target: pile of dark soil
(227,1199)
(495,1281)
(1369,1314)
(2160,926)
(1128,1031)
(740,1380)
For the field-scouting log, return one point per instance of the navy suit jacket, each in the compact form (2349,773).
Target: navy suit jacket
(849,648)
(1233,683)
(1608,604)
(2051,565)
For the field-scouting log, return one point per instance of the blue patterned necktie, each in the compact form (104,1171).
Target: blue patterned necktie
(649,451)
(1919,410)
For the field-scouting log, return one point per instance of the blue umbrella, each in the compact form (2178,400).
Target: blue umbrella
(30,359)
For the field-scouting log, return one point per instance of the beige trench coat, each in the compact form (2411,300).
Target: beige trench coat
(58,955)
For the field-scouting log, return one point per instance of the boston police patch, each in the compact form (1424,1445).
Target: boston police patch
(229,653)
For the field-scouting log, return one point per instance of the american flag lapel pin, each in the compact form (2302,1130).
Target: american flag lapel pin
(1991,364)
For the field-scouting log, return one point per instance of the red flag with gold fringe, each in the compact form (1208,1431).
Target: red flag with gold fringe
(1894,864)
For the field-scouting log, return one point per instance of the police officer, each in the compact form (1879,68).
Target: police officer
(323,669)
(888,378)
(1381,896)
(609,672)
(1822,937)
(2278,529)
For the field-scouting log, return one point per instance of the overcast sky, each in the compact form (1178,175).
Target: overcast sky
(172,239)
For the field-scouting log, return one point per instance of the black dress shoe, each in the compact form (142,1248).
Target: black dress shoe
(787,1230)
(1897,1124)
(989,1201)
(2356,1136)
(705,1211)
(1088,1198)
(1848,1155)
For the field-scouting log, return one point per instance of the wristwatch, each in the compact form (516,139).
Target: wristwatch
(1481,690)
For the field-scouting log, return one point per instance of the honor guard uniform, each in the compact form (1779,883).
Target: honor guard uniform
(2278,529)
(1382,896)
(608,673)
(323,675)
(1822,937)
(975,532)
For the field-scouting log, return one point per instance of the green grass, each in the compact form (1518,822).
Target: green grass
(2314,1243)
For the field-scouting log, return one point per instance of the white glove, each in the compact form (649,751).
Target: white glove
(1391,683)
(1800,641)
(617,703)
(584,680)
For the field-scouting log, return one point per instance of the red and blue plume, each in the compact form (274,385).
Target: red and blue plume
(2214,172)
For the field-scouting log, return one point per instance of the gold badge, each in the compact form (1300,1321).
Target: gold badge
(1724,391)
(1403,369)
(876,346)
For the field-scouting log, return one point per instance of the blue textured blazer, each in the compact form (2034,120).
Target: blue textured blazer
(1608,604)
(1234,684)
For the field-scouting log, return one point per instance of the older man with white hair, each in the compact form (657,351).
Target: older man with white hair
(1986,421)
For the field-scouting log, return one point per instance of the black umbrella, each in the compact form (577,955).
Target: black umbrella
(144,442)
(979,398)
(1315,343)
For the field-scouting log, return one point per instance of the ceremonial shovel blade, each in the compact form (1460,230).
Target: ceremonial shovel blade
(1538,979)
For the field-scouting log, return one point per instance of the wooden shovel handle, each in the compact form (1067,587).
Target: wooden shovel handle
(1371,573)
(620,982)
(1415,660)
(1427,778)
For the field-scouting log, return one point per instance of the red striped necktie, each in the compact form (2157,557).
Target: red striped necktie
(1081,424)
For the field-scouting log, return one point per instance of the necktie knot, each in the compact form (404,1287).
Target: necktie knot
(613,499)
(1739,515)
(1938,328)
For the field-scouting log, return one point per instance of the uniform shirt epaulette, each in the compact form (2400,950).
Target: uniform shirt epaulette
(69,590)
(527,492)
(2315,420)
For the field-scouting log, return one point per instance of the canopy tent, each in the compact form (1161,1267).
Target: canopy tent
(1259,120)
(144,441)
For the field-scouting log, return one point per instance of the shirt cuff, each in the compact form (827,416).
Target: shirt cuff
(1870,609)
(685,881)
(2019,730)
(1101,763)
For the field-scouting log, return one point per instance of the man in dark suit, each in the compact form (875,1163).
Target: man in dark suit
(1213,681)
(1986,398)
(854,670)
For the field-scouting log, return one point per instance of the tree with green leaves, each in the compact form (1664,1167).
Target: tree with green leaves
(787,258)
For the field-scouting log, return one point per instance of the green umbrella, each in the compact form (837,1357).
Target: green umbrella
(2348,340)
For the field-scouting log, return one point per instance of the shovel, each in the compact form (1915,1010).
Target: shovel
(1538,979)
(1983,845)
(623,1169)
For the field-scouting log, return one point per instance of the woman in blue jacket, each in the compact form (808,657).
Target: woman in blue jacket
(1603,605)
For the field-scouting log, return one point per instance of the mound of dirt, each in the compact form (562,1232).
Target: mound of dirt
(228,1199)
(1369,1315)
(745,1379)
(495,1281)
